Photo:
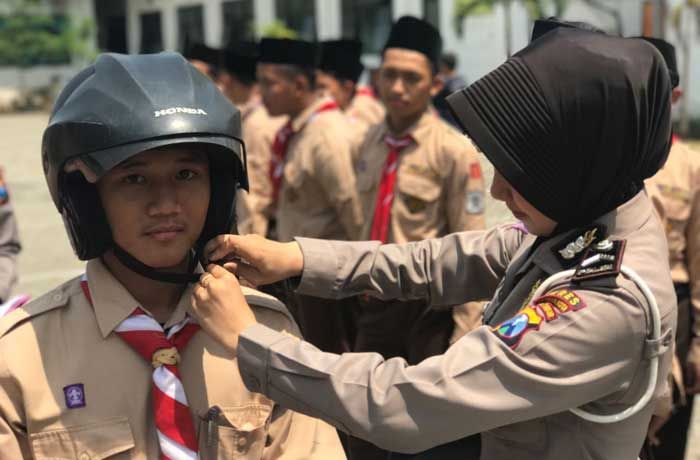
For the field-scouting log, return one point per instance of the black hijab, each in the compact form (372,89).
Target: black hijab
(575,121)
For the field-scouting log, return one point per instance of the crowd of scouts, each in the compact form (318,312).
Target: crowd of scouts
(325,158)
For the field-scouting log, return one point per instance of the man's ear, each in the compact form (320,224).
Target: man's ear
(437,84)
(302,84)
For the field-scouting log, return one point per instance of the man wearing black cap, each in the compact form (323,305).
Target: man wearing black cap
(202,57)
(675,192)
(418,178)
(313,191)
(236,79)
(338,74)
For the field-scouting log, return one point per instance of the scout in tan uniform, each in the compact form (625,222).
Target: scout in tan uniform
(9,242)
(589,339)
(236,79)
(675,191)
(313,183)
(111,365)
(418,178)
(340,69)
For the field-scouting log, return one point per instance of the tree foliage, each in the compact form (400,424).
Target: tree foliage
(29,36)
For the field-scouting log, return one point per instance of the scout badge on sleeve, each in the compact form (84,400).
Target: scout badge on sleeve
(544,309)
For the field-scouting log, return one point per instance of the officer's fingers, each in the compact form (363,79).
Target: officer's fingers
(226,245)
(219,272)
(200,297)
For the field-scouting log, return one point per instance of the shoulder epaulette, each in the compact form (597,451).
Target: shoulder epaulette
(260,299)
(56,298)
(602,259)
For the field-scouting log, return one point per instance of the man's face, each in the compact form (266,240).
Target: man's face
(279,93)
(156,203)
(340,91)
(406,82)
(232,88)
(535,222)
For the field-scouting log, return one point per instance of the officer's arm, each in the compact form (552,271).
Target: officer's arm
(334,171)
(693,255)
(9,249)
(448,271)
(488,379)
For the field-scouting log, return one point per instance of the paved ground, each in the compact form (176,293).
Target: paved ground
(48,260)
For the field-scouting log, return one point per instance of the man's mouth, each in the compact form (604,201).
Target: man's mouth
(165,232)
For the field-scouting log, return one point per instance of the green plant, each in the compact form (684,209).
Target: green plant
(277,29)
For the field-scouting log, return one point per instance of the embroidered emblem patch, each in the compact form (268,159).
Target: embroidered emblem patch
(75,395)
(4,193)
(544,309)
(475,171)
(475,202)
(579,244)
(602,259)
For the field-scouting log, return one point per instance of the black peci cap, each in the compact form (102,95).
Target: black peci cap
(417,35)
(543,26)
(239,59)
(200,52)
(668,51)
(342,59)
(286,51)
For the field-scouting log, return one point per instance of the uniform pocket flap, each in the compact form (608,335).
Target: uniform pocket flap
(248,417)
(418,186)
(99,440)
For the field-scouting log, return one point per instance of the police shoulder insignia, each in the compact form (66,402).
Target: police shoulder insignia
(602,259)
(4,193)
(544,309)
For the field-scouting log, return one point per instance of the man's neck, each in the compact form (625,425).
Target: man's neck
(399,124)
(159,298)
(304,103)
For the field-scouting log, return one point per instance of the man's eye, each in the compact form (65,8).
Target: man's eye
(186,174)
(134,179)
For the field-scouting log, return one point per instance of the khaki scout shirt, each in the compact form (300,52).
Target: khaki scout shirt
(439,188)
(518,397)
(61,340)
(675,192)
(366,108)
(317,196)
(259,129)
(9,249)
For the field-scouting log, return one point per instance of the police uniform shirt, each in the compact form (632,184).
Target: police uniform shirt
(514,378)
(439,186)
(259,129)
(60,341)
(317,196)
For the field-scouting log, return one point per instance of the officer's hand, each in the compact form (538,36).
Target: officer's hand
(256,259)
(692,370)
(220,307)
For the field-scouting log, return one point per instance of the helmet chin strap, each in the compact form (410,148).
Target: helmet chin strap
(135,265)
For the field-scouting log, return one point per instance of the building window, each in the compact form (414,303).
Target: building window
(298,15)
(238,21)
(151,33)
(431,12)
(368,21)
(190,25)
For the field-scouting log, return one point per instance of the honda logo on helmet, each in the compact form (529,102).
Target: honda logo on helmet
(174,110)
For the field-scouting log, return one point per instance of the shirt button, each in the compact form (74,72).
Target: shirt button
(242,442)
(84,456)
(57,298)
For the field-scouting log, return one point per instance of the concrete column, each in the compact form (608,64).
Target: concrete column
(406,7)
(328,21)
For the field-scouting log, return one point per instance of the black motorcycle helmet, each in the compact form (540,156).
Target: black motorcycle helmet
(121,106)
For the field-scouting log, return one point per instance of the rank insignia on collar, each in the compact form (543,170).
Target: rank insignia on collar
(602,259)
(575,247)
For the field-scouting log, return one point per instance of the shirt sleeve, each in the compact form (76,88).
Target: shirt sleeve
(693,255)
(588,351)
(466,200)
(9,250)
(13,442)
(433,269)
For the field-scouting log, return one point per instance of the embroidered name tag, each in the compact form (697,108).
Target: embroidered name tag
(544,309)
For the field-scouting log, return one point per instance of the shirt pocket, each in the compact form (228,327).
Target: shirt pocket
(236,432)
(416,204)
(100,440)
(293,181)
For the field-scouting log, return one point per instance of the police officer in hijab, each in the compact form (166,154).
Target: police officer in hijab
(575,341)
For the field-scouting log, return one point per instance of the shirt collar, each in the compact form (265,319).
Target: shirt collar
(418,130)
(249,107)
(305,116)
(113,303)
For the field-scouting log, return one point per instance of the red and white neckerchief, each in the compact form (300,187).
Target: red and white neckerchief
(176,433)
(385,195)
(280,145)
(366,91)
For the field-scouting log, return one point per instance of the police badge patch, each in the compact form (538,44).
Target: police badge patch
(475,202)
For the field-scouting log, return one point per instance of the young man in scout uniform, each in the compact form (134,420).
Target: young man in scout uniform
(418,178)
(236,79)
(339,72)
(313,189)
(204,58)
(110,364)
(675,192)
(9,242)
